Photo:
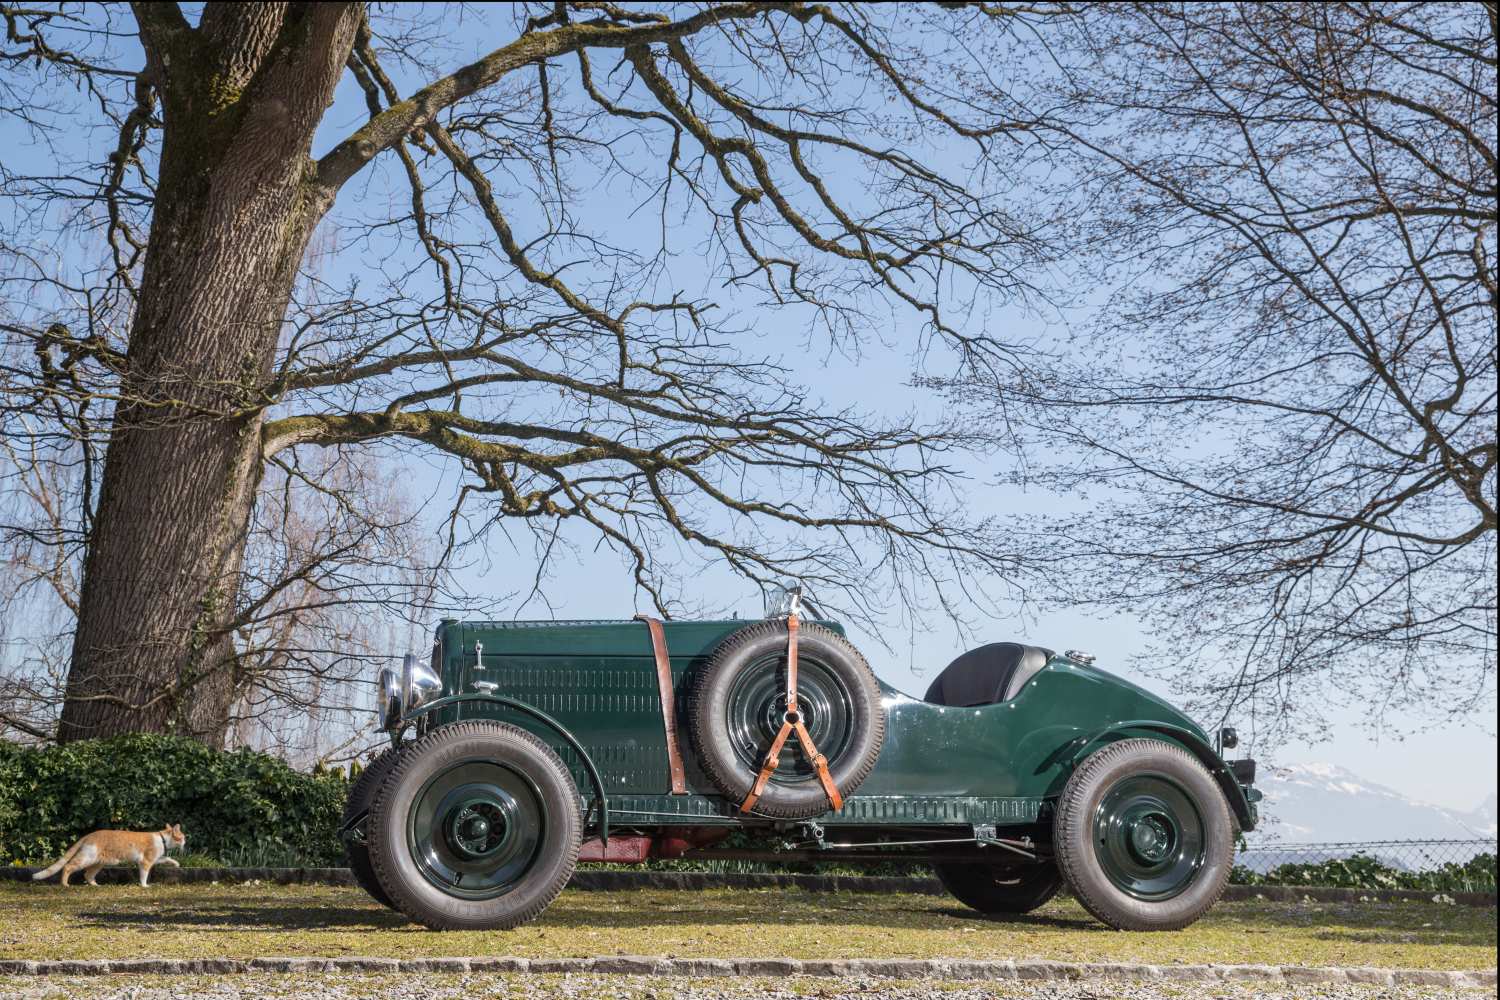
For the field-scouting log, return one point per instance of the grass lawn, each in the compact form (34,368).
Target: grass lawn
(245,921)
(491,986)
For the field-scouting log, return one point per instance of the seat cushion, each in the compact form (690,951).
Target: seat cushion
(987,674)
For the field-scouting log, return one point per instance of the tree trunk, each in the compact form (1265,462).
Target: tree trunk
(241,96)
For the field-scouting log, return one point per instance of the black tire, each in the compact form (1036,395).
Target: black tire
(997,890)
(734,715)
(1144,837)
(360,796)
(518,785)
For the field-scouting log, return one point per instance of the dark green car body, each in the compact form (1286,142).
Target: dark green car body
(589,689)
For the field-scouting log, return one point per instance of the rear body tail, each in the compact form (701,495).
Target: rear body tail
(57,866)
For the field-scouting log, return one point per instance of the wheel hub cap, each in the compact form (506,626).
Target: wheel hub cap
(1149,837)
(476,828)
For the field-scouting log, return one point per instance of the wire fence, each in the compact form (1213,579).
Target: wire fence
(1404,855)
(1428,865)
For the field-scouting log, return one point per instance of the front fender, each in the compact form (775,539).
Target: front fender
(1239,802)
(546,720)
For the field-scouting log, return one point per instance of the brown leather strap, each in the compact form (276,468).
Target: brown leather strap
(773,757)
(791,663)
(773,761)
(820,764)
(668,703)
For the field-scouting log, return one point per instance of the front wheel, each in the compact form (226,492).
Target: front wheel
(477,827)
(997,890)
(1144,837)
(357,805)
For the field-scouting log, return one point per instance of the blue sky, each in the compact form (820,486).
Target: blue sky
(594,583)
(590,582)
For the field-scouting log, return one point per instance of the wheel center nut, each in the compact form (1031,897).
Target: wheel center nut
(1149,839)
(476,829)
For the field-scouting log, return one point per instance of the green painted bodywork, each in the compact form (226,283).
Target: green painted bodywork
(996,765)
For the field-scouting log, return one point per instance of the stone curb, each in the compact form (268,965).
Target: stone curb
(609,880)
(867,968)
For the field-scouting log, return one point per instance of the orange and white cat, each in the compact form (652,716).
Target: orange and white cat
(117,847)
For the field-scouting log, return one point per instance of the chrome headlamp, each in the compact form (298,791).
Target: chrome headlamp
(397,695)
(419,684)
(388,699)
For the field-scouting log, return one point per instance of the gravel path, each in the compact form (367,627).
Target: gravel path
(586,987)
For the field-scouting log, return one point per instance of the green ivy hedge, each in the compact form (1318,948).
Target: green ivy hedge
(239,807)
(1364,872)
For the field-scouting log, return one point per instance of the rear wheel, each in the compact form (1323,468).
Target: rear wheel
(997,890)
(477,827)
(1144,837)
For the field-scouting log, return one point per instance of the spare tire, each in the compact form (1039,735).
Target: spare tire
(737,703)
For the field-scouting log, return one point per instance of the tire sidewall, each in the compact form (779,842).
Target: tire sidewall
(1077,853)
(492,742)
(710,718)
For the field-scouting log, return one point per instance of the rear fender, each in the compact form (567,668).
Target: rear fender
(1188,740)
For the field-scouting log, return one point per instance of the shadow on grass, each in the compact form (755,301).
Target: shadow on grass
(251,917)
(220,916)
(1375,925)
(1029,920)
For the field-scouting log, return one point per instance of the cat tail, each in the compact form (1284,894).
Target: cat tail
(67,855)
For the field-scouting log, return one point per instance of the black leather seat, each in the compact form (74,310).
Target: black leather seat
(988,674)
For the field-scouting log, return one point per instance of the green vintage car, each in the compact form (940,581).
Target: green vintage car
(523,748)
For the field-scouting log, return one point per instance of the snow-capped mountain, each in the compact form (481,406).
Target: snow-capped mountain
(1325,802)
(1484,816)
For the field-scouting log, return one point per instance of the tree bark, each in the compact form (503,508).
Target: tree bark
(241,96)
